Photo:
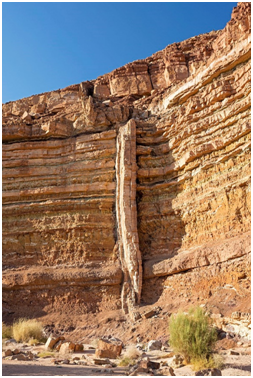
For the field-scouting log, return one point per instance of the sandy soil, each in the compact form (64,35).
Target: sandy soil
(45,368)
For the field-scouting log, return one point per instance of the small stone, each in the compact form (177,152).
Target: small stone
(101,361)
(66,362)
(10,341)
(30,355)
(16,351)
(154,345)
(7,353)
(84,363)
(208,372)
(149,314)
(234,353)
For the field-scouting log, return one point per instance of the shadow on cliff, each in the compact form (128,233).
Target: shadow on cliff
(161,228)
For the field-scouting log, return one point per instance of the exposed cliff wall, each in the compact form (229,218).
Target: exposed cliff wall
(145,168)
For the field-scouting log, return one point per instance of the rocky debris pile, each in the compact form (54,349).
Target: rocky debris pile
(144,365)
(237,325)
(61,345)
(177,361)
(109,348)
(17,354)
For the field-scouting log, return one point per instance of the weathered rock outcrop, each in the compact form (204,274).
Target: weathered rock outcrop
(128,241)
(145,168)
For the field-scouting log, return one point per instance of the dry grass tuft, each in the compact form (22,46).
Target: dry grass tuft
(132,353)
(126,361)
(129,357)
(45,354)
(33,341)
(214,361)
(6,331)
(26,329)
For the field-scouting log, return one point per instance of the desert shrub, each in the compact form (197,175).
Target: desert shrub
(26,329)
(6,331)
(192,335)
(126,361)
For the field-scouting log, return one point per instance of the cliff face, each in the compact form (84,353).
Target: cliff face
(134,187)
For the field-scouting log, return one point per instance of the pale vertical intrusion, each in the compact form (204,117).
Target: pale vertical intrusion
(128,240)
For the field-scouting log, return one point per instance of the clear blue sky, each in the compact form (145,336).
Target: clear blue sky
(47,46)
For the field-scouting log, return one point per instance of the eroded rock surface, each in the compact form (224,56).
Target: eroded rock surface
(147,166)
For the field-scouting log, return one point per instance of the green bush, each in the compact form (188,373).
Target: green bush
(6,331)
(26,329)
(192,335)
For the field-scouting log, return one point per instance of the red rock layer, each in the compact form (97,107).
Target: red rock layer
(191,107)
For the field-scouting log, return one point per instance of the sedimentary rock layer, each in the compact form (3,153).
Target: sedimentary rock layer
(148,165)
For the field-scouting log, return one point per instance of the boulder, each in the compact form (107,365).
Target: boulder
(211,372)
(108,349)
(58,345)
(78,347)
(154,345)
(52,341)
(66,348)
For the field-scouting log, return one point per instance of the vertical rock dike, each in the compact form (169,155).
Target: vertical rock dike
(128,241)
